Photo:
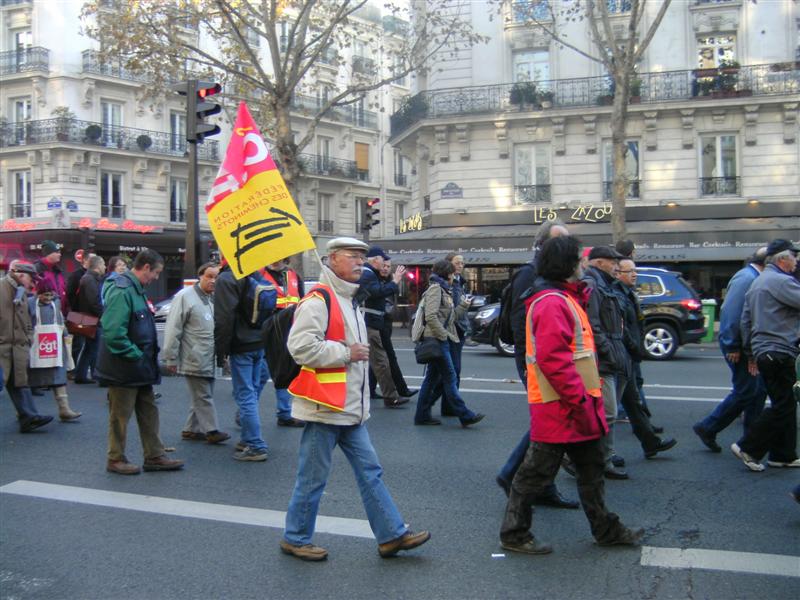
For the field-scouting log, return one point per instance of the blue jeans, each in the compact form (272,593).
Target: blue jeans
(314,466)
(246,370)
(84,368)
(747,396)
(283,399)
(457,349)
(441,370)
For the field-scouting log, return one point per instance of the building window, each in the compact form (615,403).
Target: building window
(718,169)
(714,49)
(326,221)
(362,161)
(22,201)
(178,193)
(111,204)
(400,177)
(531,173)
(531,65)
(177,131)
(23,40)
(112,123)
(398,66)
(632,166)
(324,145)
(21,109)
(399,214)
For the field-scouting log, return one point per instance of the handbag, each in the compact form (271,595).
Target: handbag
(47,350)
(82,324)
(427,350)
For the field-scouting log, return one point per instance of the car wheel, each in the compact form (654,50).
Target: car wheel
(660,341)
(504,349)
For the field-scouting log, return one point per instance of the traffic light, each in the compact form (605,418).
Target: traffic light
(198,107)
(371,213)
(90,240)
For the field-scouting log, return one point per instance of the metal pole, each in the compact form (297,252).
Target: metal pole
(192,215)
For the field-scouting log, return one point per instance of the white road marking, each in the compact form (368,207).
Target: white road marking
(181,508)
(721,560)
(661,386)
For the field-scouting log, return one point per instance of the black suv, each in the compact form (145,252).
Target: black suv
(671,308)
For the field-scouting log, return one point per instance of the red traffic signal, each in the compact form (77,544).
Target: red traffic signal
(370,212)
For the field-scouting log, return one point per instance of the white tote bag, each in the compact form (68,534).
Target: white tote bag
(47,350)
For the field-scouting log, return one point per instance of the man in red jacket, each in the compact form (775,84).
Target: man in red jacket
(565,404)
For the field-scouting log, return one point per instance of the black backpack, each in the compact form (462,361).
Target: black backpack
(505,327)
(275,334)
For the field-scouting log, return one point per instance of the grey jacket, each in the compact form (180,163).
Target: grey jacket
(189,333)
(439,312)
(308,346)
(771,315)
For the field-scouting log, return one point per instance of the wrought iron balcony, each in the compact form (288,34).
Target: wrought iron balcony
(92,65)
(14,2)
(112,211)
(632,191)
(401,179)
(25,60)
(531,194)
(364,65)
(720,186)
(316,164)
(667,86)
(177,215)
(342,114)
(324,226)
(75,131)
(20,211)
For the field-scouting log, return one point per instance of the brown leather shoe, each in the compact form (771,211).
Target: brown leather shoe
(162,463)
(122,467)
(308,552)
(194,436)
(217,437)
(407,541)
(396,403)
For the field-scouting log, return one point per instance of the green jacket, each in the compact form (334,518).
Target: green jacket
(128,353)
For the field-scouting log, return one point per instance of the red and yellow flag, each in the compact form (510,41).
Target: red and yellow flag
(252,216)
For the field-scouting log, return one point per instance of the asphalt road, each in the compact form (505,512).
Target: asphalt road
(714,529)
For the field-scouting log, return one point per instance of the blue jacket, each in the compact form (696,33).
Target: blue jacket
(374,291)
(730,315)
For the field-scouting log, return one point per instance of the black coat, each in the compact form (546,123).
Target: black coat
(374,291)
(522,287)
(633,318)
(89,294)
(605,315)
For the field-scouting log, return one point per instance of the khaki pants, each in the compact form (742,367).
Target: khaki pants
(122,402)
(202,413)
(379,363)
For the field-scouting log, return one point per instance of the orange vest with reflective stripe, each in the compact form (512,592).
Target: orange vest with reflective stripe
(292,293)
(325,386)
(583,351)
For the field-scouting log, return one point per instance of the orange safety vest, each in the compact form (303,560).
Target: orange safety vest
(325,386)
(583,351)
(286,297)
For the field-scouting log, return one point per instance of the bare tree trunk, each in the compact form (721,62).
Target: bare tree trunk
(619,118)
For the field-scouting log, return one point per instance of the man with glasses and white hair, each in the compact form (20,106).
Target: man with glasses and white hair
(770,336)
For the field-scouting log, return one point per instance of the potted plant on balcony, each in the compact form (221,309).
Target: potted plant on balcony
(144,142)
(635,91)
(727,79)
(524,93)
(64,117)
(546,98)
(93,132)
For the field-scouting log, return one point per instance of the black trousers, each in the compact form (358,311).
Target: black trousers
(775,429)
(640,422)
(537,473)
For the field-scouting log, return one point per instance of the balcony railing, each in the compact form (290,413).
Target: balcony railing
(632,191)
(668,86)
(177,215)
(20,211)
(343,114)
(92,65)
(316,164)
(25,60)
(75,131)
(531,194)
(112,211)
(324,226)
(401,179)
(14,2)
(720,186)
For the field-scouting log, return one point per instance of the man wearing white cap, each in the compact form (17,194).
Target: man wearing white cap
(329,340)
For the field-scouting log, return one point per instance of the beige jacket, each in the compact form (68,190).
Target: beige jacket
(308,346)
(439,311)
(16,333)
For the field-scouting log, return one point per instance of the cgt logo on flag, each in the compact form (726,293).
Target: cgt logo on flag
(251,214)
(48,345)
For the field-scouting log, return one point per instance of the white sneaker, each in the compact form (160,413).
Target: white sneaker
(748,460)
(782,465)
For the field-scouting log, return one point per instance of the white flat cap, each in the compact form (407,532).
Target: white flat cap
(342,243)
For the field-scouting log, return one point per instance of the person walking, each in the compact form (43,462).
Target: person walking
(748,394)
(127,363)
(462,329)
(189,351)
(771,342)
(566,407)
(240,309)
(439,315)
(49,267)
(73,283)
(328,339)
(48,357)
(373,292)
(90,303)
(16,338)
(290,289)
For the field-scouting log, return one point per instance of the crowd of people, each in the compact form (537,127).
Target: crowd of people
(577,326)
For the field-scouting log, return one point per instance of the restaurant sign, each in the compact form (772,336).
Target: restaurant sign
(584,213)
(412,223)
(82,223)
